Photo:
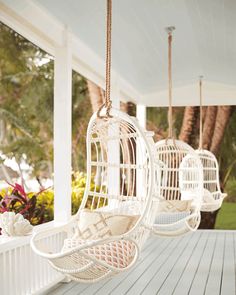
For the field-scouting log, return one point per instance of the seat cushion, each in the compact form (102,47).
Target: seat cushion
(95,225)
(119,253)
(174,206)
(207,196)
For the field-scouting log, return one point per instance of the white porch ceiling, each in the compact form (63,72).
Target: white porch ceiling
(204,43)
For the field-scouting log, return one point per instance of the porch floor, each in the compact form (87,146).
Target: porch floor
(200,263)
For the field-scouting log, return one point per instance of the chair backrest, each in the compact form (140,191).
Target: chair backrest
(210,170)
(191,179)
(181,170)
(120,170)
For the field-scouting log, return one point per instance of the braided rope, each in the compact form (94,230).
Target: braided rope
(108,103)
(170,113)
(169,31)
(201,123)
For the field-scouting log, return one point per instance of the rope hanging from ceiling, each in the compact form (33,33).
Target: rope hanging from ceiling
(212,195)
(108,103)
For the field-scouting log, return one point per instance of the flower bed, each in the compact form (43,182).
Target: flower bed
(38,207)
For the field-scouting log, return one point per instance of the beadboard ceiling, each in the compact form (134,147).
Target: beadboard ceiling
(204,43)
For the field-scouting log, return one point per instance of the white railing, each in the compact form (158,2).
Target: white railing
(22,272)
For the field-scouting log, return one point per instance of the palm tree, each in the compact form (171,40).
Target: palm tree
(96,95)
(188,125)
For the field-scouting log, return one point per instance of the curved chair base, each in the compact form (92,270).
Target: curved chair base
(89,261)
(183,226)
(210,207)
(214,204)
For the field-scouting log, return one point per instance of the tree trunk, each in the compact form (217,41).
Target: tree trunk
(222,119)
(158,133)
(215,121)
(188,124)
(208,220)
(128,107)
(213,138)
(96,95)
(204,110)
(208,127)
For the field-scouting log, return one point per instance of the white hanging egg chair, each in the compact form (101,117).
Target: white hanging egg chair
(182,179)
(113,220)
(180,189)
(212,195)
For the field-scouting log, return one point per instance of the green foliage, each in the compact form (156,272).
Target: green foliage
(81,113)
(227,159)
(38,207)
(26,104)
(78,188)
(15,199)
(159,116)
(26,101)
(226,217)
(230,188)
(44,204)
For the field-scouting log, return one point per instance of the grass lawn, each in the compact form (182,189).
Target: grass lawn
(226,218)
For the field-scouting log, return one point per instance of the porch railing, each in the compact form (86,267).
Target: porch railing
(22,272)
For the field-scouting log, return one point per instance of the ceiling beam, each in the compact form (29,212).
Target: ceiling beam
(188,95)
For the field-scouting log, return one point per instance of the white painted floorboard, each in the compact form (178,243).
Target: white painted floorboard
(199,263)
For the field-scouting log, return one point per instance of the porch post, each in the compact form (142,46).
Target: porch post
(114,149)
(62,131)
(141,115)
(140,176)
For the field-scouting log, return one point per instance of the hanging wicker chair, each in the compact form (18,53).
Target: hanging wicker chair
(181,175)
(180,189)
(212,195)
(117,210)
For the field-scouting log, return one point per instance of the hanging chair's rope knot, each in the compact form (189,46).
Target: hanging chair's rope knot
(108,108)
(107,112)
(171,138)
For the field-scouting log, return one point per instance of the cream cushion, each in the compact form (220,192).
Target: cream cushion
(207,196)
(119,253)
(95,225)
(174,206)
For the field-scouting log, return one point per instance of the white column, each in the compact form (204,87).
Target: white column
(140,176)
(62,131)
(115,92)
(114,149)
(141,115)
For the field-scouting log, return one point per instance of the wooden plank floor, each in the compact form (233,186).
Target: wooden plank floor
(200,263)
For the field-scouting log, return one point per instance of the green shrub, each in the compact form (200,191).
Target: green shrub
(230,189)
(39,207)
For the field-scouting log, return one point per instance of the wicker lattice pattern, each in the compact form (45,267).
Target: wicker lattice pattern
(182,181)
(120,181)
(212,195)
